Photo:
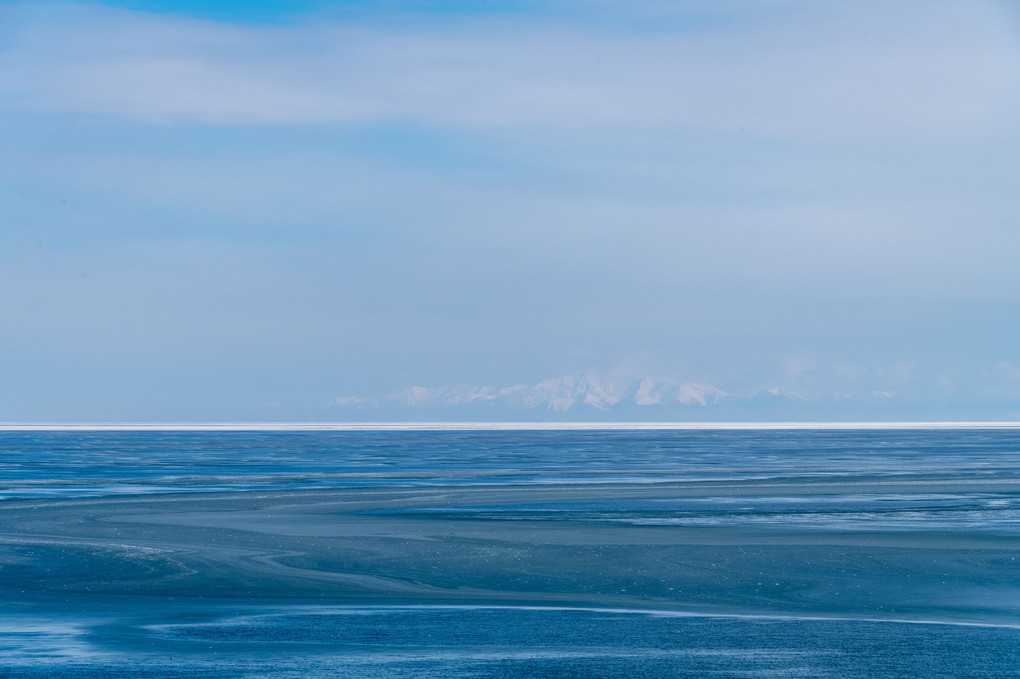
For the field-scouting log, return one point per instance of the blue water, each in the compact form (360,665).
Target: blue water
(771,553)
(53,463)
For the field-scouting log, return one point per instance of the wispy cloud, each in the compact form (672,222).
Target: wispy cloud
(862,73)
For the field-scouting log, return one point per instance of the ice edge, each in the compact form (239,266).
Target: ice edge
(485,426)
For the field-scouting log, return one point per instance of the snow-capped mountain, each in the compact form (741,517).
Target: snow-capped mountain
(591,397)
(573,394)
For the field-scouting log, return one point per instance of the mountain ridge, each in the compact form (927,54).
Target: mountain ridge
(563,394)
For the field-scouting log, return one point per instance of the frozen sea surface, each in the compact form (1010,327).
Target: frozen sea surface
(484,554)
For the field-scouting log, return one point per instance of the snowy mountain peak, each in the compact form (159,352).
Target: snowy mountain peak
(567,393)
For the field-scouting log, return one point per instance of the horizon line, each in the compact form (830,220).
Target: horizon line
(493,426)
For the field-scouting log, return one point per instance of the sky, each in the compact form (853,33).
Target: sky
(248,210)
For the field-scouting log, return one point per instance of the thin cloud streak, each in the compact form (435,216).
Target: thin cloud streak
(944,70)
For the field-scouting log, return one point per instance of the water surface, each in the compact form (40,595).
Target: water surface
(540,553)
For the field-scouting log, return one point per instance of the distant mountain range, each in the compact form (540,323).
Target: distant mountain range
(576,396)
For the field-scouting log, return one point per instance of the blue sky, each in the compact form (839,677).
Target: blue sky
(244,210)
